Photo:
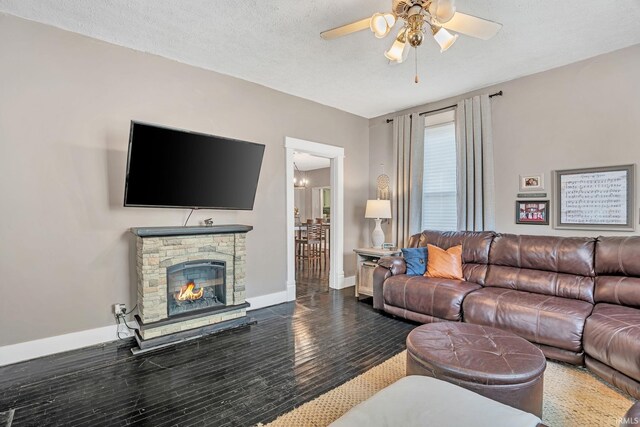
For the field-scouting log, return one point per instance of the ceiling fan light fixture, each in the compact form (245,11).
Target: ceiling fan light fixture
(405,53)
(442,10)
(390,18)
(381,24)
(419,16)
(399,50)
(444,38)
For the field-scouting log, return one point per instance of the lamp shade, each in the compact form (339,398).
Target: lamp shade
(378,209)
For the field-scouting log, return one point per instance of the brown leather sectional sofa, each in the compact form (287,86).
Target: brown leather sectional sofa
(576,298)
(632,417)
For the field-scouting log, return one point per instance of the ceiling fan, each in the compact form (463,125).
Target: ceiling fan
(420,17)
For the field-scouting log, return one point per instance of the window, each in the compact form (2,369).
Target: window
(439,211)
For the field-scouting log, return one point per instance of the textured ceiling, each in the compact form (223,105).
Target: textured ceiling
(276,43)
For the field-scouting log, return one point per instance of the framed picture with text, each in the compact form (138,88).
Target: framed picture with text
(532,212)
(599,198)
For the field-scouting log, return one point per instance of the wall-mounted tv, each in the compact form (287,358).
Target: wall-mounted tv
(175,168)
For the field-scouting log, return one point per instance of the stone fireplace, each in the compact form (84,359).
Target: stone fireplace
(190,281)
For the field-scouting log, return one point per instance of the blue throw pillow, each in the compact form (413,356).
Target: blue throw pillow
(416,260)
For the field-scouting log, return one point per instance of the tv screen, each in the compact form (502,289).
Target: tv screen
(174,168)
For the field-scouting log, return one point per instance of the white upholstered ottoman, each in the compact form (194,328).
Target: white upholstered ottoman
(424,401)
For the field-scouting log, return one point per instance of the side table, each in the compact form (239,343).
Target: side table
(366,262)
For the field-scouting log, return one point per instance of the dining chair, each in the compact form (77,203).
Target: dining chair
(309,244)
(324,241)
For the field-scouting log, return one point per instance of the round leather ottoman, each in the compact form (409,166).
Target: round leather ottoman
(491,362)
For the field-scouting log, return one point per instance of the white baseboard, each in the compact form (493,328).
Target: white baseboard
(43,347)
(15,353)
(291,291)
(347,282)
(267,300)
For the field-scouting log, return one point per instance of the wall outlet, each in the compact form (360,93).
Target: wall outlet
(119,309)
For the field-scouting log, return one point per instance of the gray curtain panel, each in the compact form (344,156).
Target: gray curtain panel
(408,161)
(475,182)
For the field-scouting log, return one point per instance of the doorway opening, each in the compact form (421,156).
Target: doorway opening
(312,212)
(314,201)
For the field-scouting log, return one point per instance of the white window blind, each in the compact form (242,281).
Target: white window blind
(439,210)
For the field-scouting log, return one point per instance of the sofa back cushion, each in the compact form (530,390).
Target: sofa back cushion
(618,270)
(475,249)
(557,266)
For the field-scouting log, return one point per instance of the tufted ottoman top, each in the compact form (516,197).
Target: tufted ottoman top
(474,353)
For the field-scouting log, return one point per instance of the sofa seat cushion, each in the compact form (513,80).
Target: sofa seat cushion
(612,336)
(441,298)
(542,319)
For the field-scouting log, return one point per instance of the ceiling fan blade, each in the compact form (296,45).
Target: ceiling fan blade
(472,26)
(343,30)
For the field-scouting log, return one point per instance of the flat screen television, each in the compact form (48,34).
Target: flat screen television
(175,168)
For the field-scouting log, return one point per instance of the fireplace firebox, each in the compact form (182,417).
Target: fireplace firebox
(196,286)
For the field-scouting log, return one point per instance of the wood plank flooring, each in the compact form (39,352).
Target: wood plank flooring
(310,281)
(295,352)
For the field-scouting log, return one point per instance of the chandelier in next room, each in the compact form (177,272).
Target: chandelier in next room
(299,179)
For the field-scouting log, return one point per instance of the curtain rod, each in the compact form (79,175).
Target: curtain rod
(448,107)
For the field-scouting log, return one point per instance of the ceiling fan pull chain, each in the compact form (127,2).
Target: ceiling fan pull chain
(417,80)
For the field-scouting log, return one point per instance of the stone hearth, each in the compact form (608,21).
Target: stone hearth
(161,249)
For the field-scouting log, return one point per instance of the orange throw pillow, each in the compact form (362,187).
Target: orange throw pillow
(444,264)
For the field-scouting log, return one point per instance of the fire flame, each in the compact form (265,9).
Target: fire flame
(187,292)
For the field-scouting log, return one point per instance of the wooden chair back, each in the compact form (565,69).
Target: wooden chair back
(314,231)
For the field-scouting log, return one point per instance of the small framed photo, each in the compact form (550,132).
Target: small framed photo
(532,212)
(532,182)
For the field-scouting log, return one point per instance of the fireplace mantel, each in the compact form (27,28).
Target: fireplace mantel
(190,231)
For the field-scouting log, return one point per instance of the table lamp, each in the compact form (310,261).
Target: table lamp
(378,209)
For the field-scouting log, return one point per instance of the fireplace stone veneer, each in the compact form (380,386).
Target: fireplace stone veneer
(159,251)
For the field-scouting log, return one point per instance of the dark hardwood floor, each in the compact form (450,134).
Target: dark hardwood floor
(310,280)
(296,352)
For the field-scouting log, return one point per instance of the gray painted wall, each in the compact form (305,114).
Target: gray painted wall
(581,115)
(65,109)
(303,198)
(65,106)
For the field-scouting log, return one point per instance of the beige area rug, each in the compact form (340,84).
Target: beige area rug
(572,397)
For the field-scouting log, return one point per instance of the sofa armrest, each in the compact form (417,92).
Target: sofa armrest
(394,263)
(387,267)
(632,417)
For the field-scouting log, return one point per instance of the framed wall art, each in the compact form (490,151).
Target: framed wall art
(532,182)
(601,198)
(532,212)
